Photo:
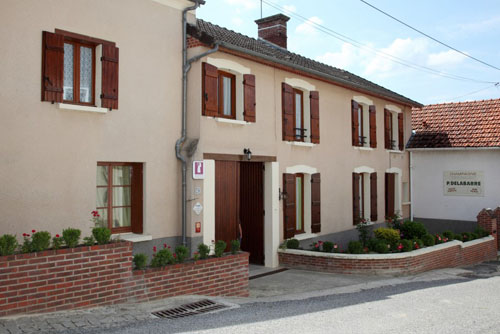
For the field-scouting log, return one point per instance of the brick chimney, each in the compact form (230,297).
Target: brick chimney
(273,29)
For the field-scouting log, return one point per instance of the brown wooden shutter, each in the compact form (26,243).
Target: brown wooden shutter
(387,129)
(109,95)
(314,99)
(373,197)
(210,98)
(316,203)
(137,198)
(52,67)
(249,97)
(355,123)
(373,126)
(401,132)
(355,198)
(288,112)
(289,210)
(389,194)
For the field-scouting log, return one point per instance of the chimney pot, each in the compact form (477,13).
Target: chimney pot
(273,29)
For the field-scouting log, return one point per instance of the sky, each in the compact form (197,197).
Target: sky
(472,27)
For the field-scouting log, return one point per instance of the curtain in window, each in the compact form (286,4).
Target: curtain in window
(68,72)
(227,96)
(85,74)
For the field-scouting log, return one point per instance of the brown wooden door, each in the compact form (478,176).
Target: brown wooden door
(227,185)
(252,210)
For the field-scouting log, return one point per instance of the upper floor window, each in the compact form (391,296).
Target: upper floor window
(75,68)
(300,114)
(228,94)
(393,130)
(364,127)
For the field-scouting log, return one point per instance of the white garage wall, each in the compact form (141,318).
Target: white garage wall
(429,200)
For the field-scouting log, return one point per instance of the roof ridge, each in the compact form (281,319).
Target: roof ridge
(457,103)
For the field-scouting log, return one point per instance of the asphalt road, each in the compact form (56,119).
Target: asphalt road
(464,304)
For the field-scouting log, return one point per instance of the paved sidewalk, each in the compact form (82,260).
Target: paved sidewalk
(283,286)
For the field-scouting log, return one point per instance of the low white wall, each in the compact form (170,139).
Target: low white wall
(428,188)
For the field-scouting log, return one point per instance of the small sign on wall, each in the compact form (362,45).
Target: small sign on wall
(463,183)
(198,170)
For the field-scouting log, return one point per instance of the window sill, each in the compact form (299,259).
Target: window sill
(395,151)
(133,237)
(230,121)
(299,143)
(76,107)
(406,203)
(304,236)
(362,148)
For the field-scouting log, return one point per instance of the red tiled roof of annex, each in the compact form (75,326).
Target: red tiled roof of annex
(463,124)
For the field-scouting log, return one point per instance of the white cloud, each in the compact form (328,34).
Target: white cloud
(247,4)
(237,21)
(307,28)
(347,56)
(481,26)
(445,58)
(290,8)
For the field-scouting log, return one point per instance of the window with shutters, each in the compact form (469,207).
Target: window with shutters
(78,69)
(301,204)
(363,120)
(393,192)
(228,93)
(364,195)
(393,129)
(300,113)
(119,196)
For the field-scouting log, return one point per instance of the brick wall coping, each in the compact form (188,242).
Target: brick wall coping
(404,255)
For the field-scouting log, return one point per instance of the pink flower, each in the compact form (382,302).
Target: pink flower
(33,231)
(316,245)
(320,242)
(335,246)
(400,247)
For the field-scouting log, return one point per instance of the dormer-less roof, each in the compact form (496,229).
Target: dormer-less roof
(456,125)
(209,33)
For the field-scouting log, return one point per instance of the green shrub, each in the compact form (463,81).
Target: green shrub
(140,261)
(474,236)
(328,246)
(181,253)
(411,230)
(71,237)
(364,231)
(204,250)
(220,246)
(162,258)
(57,242)
(466,236)
(8,244)
(26,246)
(407,245)
(40,241)
(458,237)
(196,256)
(89,241)
(292,244)
(417,243)
(235,246)
(102,235)
(428,240)
(381,246)
(481,232)
(439,239)
(388,234)
(355,247)
(449,234)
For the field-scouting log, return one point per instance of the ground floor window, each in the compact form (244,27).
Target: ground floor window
(390,194)
(299,189)
(364,196)
(119,196)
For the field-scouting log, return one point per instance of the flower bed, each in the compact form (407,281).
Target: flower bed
(88,276)
(450,254)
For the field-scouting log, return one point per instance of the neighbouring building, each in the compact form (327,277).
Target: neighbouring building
(455,158)
(92,111)
(327,146)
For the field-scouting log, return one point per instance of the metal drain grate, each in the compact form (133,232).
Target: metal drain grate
(186,310)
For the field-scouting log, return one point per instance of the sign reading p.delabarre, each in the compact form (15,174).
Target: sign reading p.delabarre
(463,183)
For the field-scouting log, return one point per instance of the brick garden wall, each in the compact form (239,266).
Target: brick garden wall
(450,254)
(102,275)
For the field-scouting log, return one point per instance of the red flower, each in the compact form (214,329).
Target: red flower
(316,245)
(168,247)
(33,231)
(24,234)
(154,249)
(164,245)
(57,235)
(175,255)
(400,247)
(27,235)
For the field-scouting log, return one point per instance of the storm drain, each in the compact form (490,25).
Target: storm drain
(186,310)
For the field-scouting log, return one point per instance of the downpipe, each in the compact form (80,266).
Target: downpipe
(186,66)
